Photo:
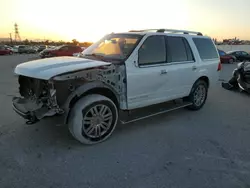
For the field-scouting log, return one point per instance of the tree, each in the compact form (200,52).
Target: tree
(26,41)
(75,42)
(86,44)
(47,42)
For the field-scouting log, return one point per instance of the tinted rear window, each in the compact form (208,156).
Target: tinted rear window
(179,49)
(205,48)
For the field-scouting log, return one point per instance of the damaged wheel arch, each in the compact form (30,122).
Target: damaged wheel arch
(90,88)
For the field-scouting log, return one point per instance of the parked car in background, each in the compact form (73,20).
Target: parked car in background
(65,50)
(41,48)
(9,47)
(21,49)
(5,50)
(15,49)
(226,58)
(78,54)
(25,49)
(240,55)
(83,48)
(31,50)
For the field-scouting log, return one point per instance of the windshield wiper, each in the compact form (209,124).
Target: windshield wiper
(98,56)
(102,57)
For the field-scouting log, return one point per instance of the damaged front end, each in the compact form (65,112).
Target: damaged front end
(38,99)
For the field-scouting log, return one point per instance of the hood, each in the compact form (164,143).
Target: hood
(50,67)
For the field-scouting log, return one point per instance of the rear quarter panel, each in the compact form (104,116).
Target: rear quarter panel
(206,67)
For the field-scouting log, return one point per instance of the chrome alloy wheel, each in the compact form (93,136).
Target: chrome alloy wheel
(199,95)
(97,121)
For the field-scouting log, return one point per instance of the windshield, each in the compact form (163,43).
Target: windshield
(113,46)
(244,53)
(222,52)
(56,47)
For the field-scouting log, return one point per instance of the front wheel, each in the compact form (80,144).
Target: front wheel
(93,119)
(198,95)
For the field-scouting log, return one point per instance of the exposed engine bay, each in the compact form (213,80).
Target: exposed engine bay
(38,99)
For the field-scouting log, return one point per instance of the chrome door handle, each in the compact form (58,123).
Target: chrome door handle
(164,71)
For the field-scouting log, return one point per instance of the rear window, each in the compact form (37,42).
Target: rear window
(221,53)
(206,48)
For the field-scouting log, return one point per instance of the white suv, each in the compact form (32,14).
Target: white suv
(116,78)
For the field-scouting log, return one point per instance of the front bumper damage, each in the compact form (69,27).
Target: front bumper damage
(31,110)
(37,99)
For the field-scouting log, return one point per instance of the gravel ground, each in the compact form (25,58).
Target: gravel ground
(207,148)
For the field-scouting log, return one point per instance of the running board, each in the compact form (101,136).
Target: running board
(138,114)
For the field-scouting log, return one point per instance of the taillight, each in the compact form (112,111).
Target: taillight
(219,67)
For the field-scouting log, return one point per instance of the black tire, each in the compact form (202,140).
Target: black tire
(198,85)
(81,130)
(231,61)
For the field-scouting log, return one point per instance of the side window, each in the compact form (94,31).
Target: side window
(179,49)
(64,48)
(152,51)
(72,48)
(244,53)
(78,49)
(75,48)
(206,48)
(189,51)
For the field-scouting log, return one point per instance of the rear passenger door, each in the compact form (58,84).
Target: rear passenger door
(182,68)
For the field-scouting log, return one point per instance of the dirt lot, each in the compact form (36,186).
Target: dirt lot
(208,148)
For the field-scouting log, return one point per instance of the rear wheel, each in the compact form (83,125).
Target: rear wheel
(93,119)
(231,61)
(198,95)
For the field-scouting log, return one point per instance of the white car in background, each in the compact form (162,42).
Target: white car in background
(15,49)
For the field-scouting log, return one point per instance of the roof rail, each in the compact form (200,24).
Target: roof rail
(168,30)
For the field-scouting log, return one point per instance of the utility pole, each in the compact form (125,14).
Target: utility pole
(10,39)
(17,35)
